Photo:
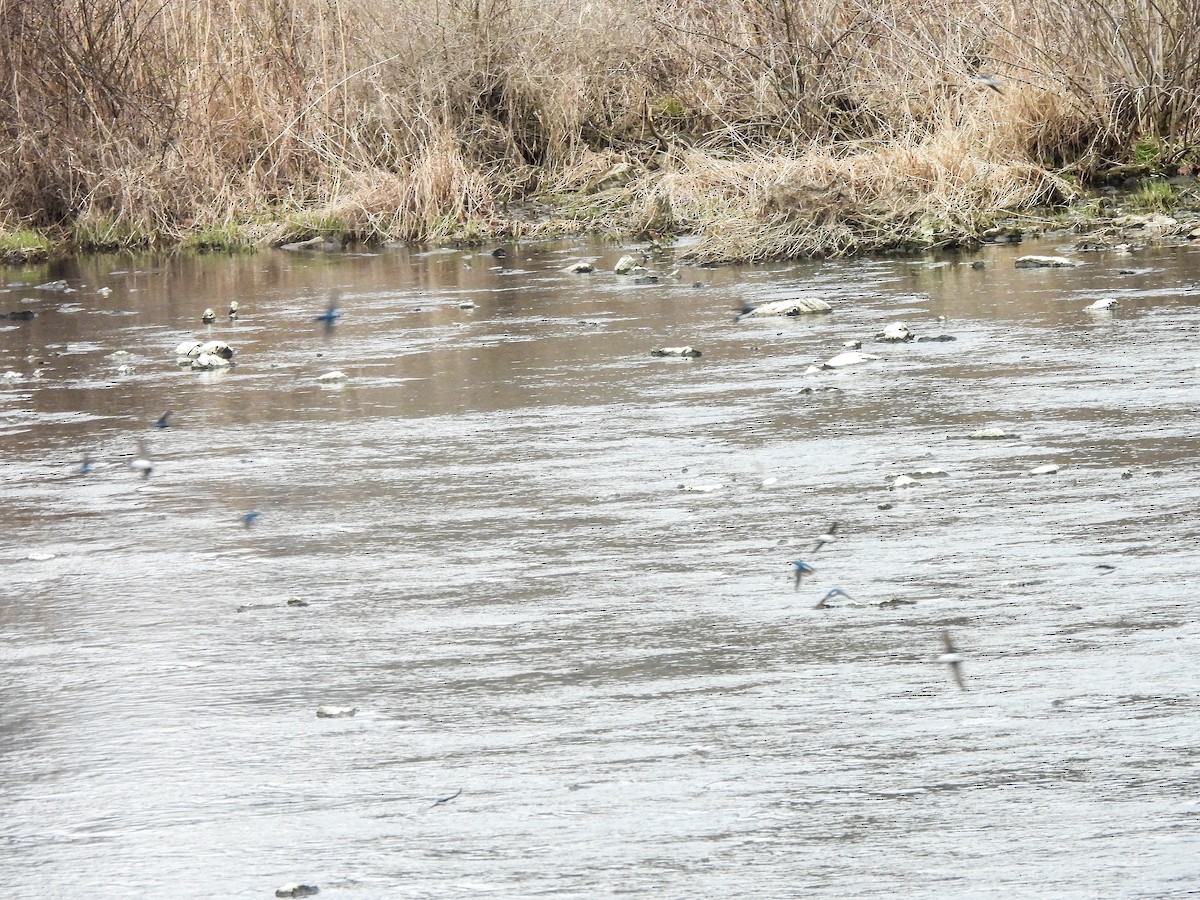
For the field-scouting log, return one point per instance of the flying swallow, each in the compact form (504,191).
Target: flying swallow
(331,314)
(989,81)
(801,569)
(835,592)
(163,421)
(441,800)
(247,519)
(828,537)
(141,462)
(953,659)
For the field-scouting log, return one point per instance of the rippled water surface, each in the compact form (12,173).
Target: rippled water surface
(553,572)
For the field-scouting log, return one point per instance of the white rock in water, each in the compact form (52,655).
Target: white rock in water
(895,332)
(675,351)
(625,265)
(903,481)
(125,370)
(850,358)
(797,306)
(188,350)
(296,889)
(1047,469)
(852,345)
(336,712)
(217,348)
(12,375)
(581,268)
(990,434)
(209,361)
(336,375)
(1102,305)
(1045,262)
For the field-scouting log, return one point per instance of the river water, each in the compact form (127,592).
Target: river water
(553,573)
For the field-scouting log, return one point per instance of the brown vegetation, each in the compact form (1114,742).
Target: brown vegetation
(771,127)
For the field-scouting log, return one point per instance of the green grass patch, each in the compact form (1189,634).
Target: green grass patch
(1153,196)
(227,238)
(21,245)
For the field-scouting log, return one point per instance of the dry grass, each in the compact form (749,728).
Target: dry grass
(774,127)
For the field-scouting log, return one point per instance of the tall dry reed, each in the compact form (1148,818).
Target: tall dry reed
(776,127)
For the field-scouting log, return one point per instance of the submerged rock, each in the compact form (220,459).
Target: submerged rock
(1044,262)
(297,890)
(798,306)
(20,315)
(850,358)
(581,268)
(336,712)
(1047,469)
(990,434)
(936,338)
(319,244)
(335,377)
(675,351)
(903,481)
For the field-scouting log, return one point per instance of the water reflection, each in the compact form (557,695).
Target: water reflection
(554,572)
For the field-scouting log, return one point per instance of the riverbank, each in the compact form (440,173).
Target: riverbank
(769,130)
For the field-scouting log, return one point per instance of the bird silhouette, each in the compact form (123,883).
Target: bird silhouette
(835,592)
(989,81)
(801,569)
(248,519)
(953,659)
(85,465)
(331,314)
(141,462)
(440,800)
(163,421)
(828,537)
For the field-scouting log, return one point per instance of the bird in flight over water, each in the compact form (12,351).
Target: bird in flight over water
(141,461)
(801,569)
(835,592)
(331,314)
(828,537)
(953,659)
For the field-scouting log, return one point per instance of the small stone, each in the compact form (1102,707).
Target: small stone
(625,265)
(334,377)
(1102,305)
(676,351)
(903,481)
(581,268)
(1047,469)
